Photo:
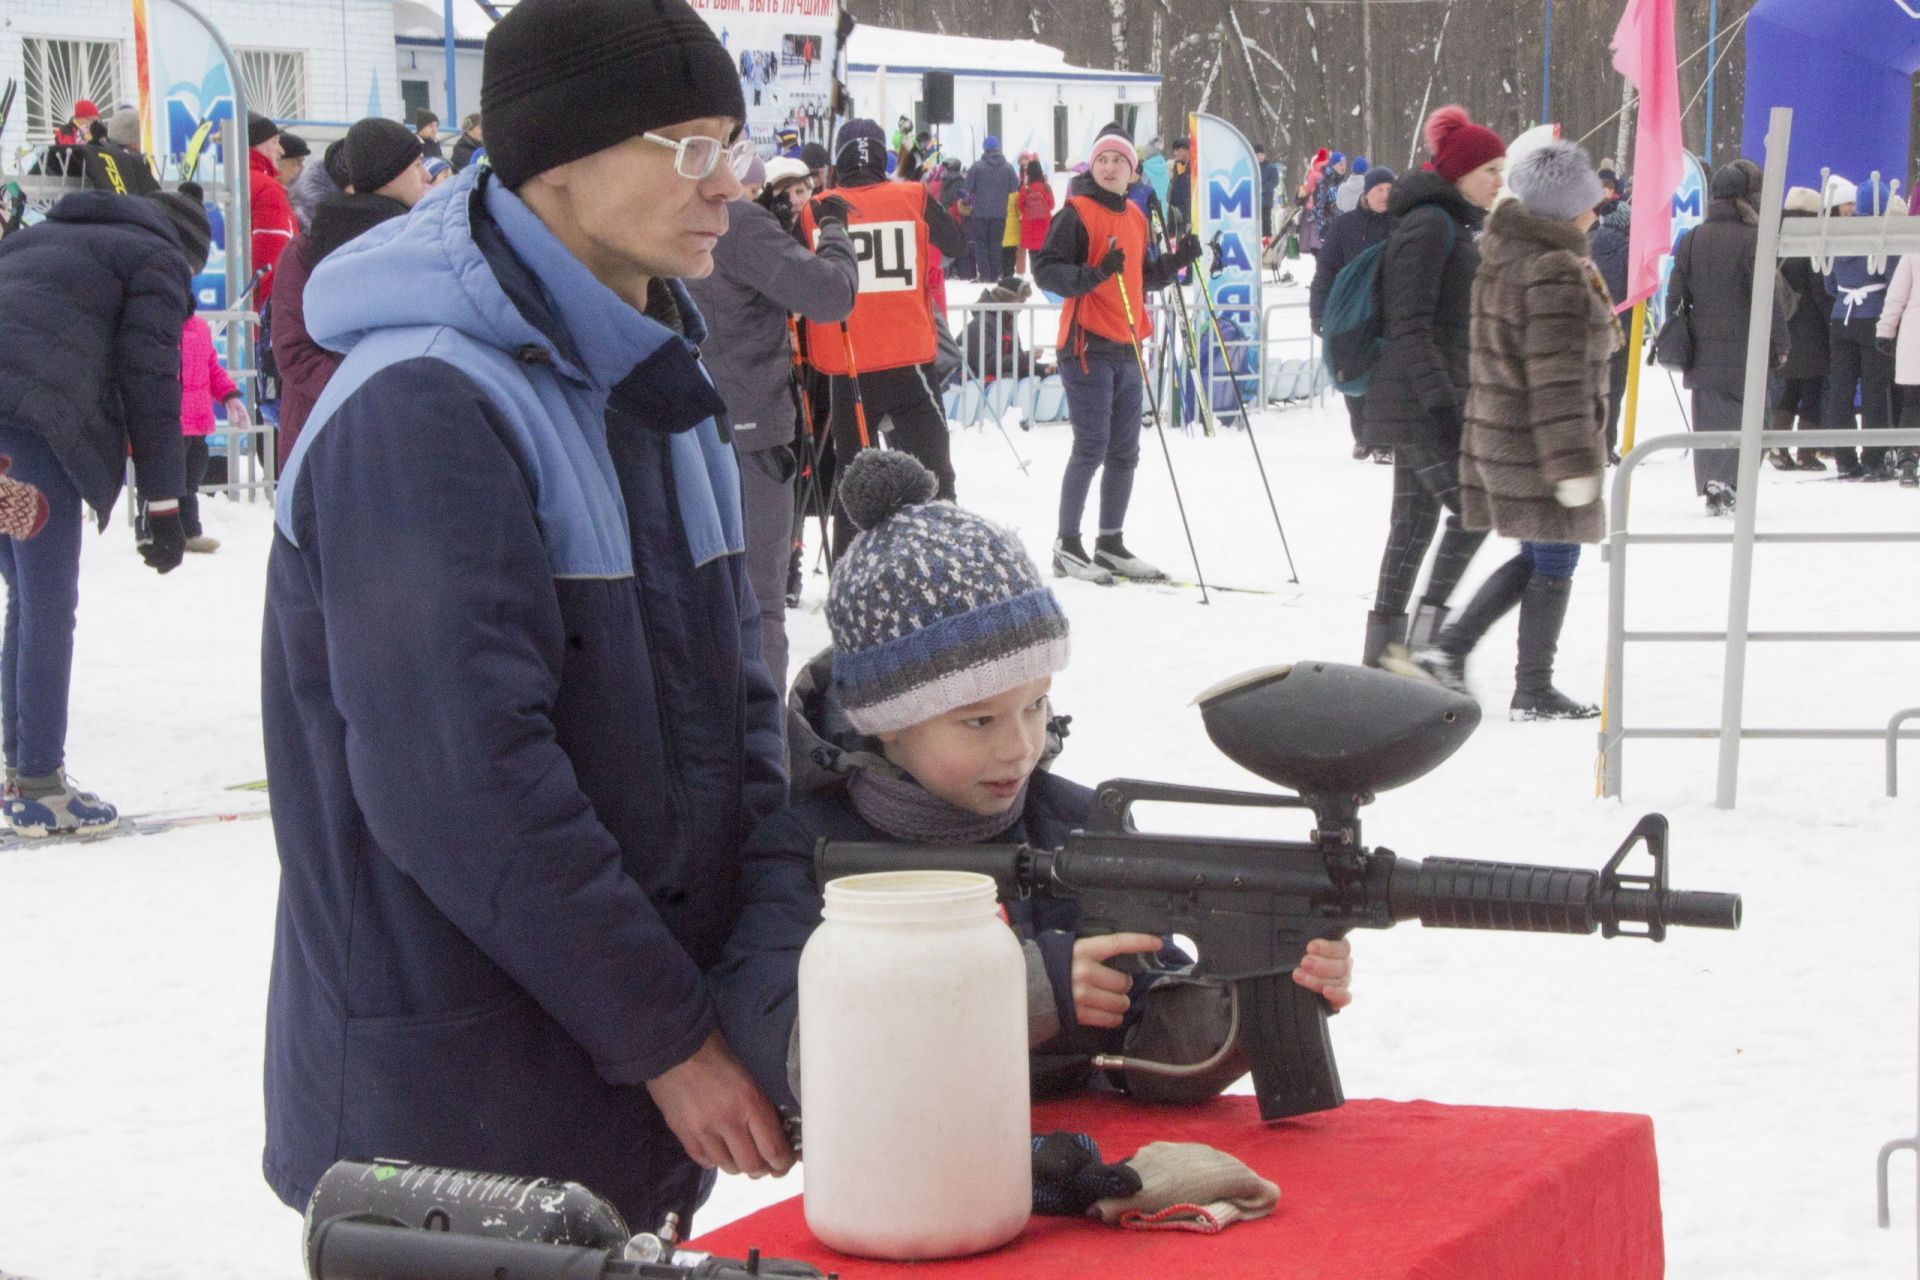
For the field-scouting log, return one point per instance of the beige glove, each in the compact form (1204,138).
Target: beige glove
(1186,1186)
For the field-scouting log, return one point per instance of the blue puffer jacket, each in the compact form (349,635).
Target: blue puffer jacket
(92,302)
(517,725)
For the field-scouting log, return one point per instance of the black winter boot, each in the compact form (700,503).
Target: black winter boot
(1446,659)
(1429,620)
(796,575)
(1543,611)
(1383,629)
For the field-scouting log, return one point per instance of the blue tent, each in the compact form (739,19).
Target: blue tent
(1846,68)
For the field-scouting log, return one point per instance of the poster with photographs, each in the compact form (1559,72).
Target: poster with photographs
(784,50)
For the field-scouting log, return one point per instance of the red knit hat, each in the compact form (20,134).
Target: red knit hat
(85,110)
(1460,146)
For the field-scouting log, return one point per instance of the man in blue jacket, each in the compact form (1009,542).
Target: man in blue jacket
(92,302)
(990,183)
(517,722)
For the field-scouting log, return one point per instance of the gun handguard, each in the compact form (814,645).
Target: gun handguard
(368,1247)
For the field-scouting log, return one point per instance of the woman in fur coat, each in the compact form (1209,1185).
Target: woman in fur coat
(1535,441)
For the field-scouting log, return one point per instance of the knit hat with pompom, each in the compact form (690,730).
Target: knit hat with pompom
(932,607)
(1460,146)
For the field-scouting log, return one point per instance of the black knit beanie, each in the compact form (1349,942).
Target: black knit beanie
(563,79)
(378,151)
(293,146)
(186,210)
(259,128)
(861,148)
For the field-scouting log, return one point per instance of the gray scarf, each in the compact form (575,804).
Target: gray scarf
(907,811)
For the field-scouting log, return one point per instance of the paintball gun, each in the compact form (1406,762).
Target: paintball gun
(394,1220)
(1335,735)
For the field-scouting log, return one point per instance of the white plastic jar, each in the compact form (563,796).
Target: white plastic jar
(913,1068)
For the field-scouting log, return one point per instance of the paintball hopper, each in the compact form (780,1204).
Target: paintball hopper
(1330,729)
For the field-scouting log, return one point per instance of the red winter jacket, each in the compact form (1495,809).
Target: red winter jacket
(273,224)
(202,379)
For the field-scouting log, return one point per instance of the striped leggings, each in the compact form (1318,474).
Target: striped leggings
(1425,479)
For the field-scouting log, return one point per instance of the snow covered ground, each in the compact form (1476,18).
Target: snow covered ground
(1774,1061)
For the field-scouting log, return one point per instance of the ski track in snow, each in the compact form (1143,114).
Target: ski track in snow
(1774,1061)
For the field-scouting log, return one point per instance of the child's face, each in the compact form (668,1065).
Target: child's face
(977,757)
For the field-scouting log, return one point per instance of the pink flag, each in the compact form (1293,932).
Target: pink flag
(1643,52)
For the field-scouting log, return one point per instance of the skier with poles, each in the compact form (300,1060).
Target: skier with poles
(1096,256)
(879,359)
(760,275)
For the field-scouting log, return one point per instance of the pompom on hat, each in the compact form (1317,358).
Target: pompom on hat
(932,607)
(1459,146)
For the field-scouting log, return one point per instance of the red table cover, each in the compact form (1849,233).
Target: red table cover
(1371,1191)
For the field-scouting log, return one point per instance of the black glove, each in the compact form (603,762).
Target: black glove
(1068,1176)
(1188,250)
(1114,263)
(165,543)
(1315,326)
(828,210)
(1884,346)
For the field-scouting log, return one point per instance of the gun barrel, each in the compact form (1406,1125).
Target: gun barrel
(1453,893)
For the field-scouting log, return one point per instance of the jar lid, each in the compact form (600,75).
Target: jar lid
(906,897)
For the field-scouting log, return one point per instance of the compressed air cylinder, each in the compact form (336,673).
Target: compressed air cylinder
(540,1210)
(913,1068)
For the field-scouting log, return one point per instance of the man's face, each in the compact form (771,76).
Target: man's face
(1111,172)
(289,169)
(978,757)
(478,131)
(1377,198)
(271,149)
(430,130)
(409,186)
(819,178)
(637,214)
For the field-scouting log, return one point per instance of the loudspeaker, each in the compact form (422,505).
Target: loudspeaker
(937,92)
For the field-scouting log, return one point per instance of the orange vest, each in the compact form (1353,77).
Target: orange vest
(1101,311)
(892,321)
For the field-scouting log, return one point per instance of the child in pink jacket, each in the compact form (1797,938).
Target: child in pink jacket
(203,382)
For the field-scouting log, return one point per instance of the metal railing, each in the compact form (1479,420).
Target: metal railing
(1615,732)
(1778,238)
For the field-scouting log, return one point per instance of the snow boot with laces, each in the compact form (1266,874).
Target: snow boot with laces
(52,805)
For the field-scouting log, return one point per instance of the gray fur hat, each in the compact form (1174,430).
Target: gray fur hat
(932,607)
(1557,181)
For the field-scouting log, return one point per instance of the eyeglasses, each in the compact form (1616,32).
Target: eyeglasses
(696,158)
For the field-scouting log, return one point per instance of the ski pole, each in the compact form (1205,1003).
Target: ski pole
(812,459)
(1133,336)
(1208,424)
(853,376)
(1246,419)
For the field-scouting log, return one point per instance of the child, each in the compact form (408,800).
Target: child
(1036,212)
(1098,242)
(899,734)
(203,382)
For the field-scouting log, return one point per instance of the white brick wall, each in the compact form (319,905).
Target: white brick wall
(348,43)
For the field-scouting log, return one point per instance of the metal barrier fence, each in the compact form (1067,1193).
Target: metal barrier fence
(1614,732)
(996,374)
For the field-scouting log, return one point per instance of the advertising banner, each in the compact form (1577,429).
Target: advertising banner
(186,96)
(1689,211)
(1226,217)
(785,51)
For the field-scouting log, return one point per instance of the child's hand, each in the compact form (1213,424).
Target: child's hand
(1100,992)
(1327,968)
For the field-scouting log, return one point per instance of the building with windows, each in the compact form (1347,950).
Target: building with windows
(317,63)
(1019,91)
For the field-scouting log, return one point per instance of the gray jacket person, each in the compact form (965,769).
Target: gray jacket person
(761,274)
